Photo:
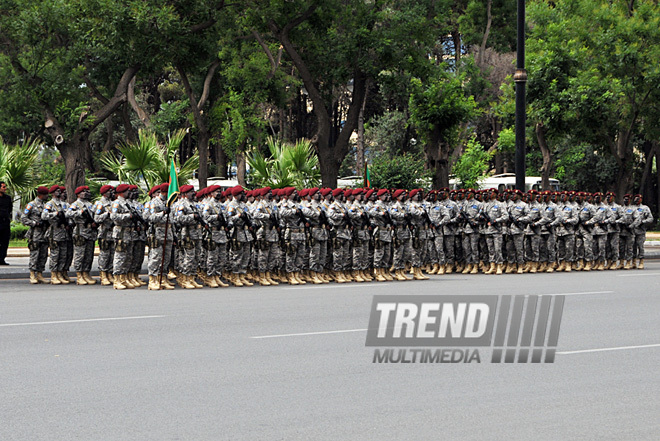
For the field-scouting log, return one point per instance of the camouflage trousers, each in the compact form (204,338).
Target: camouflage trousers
(402,252)
(360,254)
(548,248)
(626,246)
(158,258)
(515,249)
(533,247)
(58,250)
(382,254)
(189,256)
(38,256)
(83,256)
(494,243)
(613,246)
(240,257)
(68,260)
(121,263)
(584,246)
(471,247)
(268,256)
(418,252)
(600,247)
(216,259)
(318,254)
(106,256)
(139,248)
(566,248)
(341,254)
(294,256)
(638,249)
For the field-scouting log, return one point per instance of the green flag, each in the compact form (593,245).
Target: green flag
(173,189)
(367,176)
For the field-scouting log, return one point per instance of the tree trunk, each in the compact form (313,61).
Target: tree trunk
(240,168)
(110,138)
(547,156)
(221,161)
(437,159)
(624,175)
(203,148)
(648,165)
(360,136)
(73,154)
(657,175)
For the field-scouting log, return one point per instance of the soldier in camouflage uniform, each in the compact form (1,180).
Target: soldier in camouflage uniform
(627,236)
(241,237)
(643,220)
(599,231)
(187,220)
(216,258)
(36,236)
(84,235)
(613,229)
(402,247)
(103,209)
(122,232)
(361,234)
(382,223)
(584,239)
(496,215)
(294,236)
(341,238)
(160,244)
(266,246)
(318,222)
(53,214)
(419,234)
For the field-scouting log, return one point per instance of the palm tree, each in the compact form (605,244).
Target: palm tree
(17,166)
(148,161)
(289,165)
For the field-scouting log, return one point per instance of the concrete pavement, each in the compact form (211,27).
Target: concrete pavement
(290,363)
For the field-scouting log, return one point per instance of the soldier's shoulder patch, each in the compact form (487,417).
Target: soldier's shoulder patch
(436,208)
(629,211)
(585,209)
(601,208)
(639,209)
(535,209)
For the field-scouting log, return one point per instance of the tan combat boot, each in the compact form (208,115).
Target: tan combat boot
(153,284)
(54,278)
(40,278)
(475,269)
(357,277)
(193,282)
(33,278)
(263,280)
(117,284)
(641,264)
(271,279)
(105,281)
(449,268)
(441,269)
(387,274)
(498,271)
(80,279)
(568,267)
(550,268)
(64,277)
(520,269)
(292,279)
(533,266)
(491,269)
(622,264)
(211,282)
(88,278)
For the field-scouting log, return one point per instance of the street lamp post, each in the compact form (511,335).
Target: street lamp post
(520,78)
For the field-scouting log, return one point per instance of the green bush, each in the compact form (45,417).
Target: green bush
(18,231)
(401,171)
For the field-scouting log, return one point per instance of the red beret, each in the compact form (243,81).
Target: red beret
(248,193)
(337,191)
(369,193)
(152,190)
(62,188)
(235,191)
(413,192)
(304,192)
(398,193)
(42,190)
(348,192)
(165,187)
(186,188)
(381,192)
(288,191)
(105,188)
(357,191)
(265,190)
(122,188)
(201,193)
(312,191)
(81,189)
(325,191)
(53,189)
(214,188)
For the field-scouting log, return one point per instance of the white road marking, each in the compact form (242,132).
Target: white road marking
(4,325)
(578,293)
(638,274)
(620,348)
(310,333)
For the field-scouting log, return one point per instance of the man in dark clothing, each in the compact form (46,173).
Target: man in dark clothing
(5,220)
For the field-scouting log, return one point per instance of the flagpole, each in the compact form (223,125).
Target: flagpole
(162,260)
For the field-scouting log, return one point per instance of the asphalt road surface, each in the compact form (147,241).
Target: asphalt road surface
(282,363)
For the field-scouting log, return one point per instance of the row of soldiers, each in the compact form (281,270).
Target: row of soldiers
(269,236)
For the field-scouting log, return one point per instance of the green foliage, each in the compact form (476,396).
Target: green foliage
(506,141)
(388,134)
(148,161)
(404,171)
(17,231)
(17,165)
(472,165)
(289,165)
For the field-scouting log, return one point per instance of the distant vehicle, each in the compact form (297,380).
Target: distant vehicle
(508,181)
(350,182)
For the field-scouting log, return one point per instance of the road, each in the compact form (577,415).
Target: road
(282,363)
